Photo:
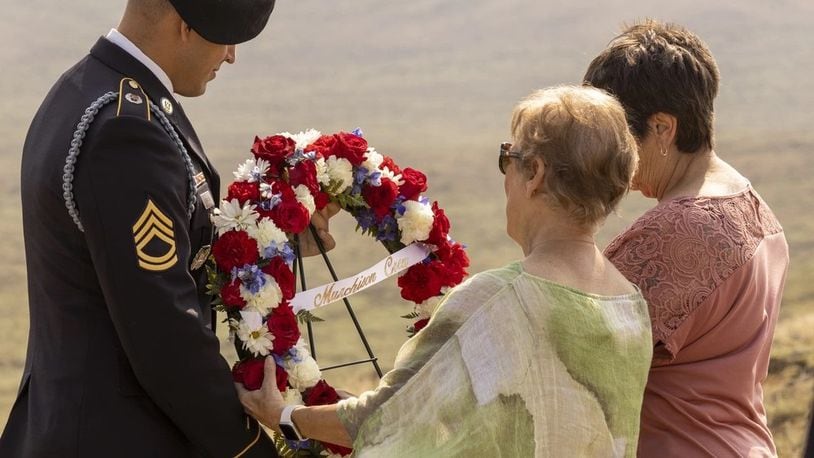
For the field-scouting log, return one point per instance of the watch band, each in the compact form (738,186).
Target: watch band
(287,426)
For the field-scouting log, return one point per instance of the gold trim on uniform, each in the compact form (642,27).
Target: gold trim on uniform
(131,97)
(256,438)
(151,225)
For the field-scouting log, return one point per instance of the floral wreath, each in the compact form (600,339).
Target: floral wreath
(271,200)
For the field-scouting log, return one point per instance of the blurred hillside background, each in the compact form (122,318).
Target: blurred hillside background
(432,83)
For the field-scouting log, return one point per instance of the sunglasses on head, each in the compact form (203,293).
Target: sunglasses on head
(505,154)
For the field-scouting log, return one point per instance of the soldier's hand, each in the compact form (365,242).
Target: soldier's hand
(320,220)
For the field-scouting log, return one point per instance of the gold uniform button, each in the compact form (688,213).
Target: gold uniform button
(133,84)
(166,105)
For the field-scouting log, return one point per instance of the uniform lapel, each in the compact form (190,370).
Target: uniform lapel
(118,59)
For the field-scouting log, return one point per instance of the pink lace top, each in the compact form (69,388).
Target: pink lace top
(712,270)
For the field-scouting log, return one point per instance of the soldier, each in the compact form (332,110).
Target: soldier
(122,360)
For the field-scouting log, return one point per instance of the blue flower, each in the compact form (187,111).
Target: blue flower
(252,277)
(388,229)
(399,205)
(375,178)
(366,219)
(284,250)
(272,202)
(358,132)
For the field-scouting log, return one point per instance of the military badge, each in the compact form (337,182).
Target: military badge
(134,98)
(154,239)
(166,105)
(200,257)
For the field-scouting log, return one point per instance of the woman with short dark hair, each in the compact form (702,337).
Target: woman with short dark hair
(710,258)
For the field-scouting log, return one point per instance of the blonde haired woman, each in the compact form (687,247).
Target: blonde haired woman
(547,356)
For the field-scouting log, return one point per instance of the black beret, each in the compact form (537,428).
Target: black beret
(225,22)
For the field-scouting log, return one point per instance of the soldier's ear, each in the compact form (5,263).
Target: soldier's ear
(185,31)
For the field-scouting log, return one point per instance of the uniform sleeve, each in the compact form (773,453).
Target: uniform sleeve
(131,188)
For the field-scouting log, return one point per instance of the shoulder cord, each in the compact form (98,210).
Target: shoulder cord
(79,136)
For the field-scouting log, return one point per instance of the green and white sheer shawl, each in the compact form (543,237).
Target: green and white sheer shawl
(512,365)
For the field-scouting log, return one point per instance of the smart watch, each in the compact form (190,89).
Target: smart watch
(287,426)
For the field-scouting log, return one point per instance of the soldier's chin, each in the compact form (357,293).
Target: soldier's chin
(192,91)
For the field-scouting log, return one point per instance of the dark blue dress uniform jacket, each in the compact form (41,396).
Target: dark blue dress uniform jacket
(121,359)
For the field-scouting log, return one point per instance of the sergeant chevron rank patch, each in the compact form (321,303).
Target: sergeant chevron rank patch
(155,239)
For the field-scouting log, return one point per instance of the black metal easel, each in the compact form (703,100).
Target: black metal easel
(299,270)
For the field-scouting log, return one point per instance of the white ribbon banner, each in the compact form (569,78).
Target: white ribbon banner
(389,266)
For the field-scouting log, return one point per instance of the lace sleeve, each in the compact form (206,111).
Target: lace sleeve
(681,252)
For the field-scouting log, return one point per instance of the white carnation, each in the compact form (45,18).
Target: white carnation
(305,197)
(304,374)
(267,298)
(292,397)
(233,216)
(251,170)
(303,139)
(266,233)
(416,222)
(372,160)
(340,170)
(322,172)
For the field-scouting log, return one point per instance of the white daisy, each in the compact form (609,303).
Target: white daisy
(303,139)
(252,170)
(233,216)
(387,173)
(416,222)
(256,339)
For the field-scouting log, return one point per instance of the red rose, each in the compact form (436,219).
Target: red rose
(455,261)
(321,200)
(274,149)
(388,162)
(380,198)
(415,183)
(234,249)
(282,274)
(321,394)
(351,147)
(250,373)
(282,323)
(290,216)
(305,173)
(323,146)
(243,191)
(420,324)
(440,226)
(230,293)
(420,282)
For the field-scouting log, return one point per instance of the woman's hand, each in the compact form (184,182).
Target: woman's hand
(265,404)
(320,219)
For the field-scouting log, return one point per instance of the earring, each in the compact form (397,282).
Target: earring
(663,152)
